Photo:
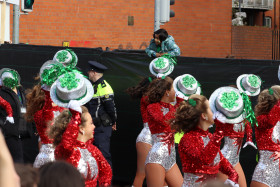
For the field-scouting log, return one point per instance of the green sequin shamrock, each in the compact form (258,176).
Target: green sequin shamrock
(188,81)
(62,56)
(69,80)
(229,99)
(254,81)
(160,63)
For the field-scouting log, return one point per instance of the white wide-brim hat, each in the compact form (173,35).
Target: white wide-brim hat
(186,92)
(168,68)
(67,57)
(83,92)
(244,85)
(6,71)
(228,116)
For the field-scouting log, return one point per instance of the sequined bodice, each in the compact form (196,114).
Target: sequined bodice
(276,133)
(206,140)
(87,165)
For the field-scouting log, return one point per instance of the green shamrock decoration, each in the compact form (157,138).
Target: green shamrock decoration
(69,80)
(188,81)
(229,99)
(62,56)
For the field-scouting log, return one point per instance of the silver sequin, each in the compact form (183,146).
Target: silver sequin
(239,127)
(164,110)
(145,135)
(190,179)
(87,163)
(206,140)
(45,155)
(231,151)
(159,153)
(267,170)
(276,133)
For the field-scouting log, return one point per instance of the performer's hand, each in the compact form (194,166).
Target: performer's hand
(159,75)
(10,119)
(231,183)
(75,105)
(158,55)
(219,116)
(114,127)
(251,144)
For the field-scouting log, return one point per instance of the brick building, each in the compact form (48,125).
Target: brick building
(201,28)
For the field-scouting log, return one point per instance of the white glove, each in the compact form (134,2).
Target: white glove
(219,116)
(231,183)
(10,119)
(75,105)
(251,144)
(181,95)
(159,75)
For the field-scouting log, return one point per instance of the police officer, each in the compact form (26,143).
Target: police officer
(102,109)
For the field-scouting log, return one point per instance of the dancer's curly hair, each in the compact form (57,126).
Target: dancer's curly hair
(137,92)
(61,123)
(267,99)
(35,100)
(187,116)
(157,89)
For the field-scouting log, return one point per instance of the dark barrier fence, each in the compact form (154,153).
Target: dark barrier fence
(126,69)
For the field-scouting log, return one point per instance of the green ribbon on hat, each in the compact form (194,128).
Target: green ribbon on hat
(49,76)
(11,82)
(250,115)
(188,81)
(229,99)
(69,80)
(171,58)
(254,81)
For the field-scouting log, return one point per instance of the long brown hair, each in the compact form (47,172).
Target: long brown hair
(157,89)
(137,92)
(267,99)
(35,100)
(187,116)
(61,123)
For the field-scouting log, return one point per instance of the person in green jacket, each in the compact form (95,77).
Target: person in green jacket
(161,44)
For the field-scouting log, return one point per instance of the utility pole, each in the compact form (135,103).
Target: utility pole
(239,5)
(16,14)
(157,15)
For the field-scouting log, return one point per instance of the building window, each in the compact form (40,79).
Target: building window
(267,21)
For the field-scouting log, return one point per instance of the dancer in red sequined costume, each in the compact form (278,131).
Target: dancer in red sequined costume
(73,130)
(7,107)
(73,143)
(144,139)
(161,161)
(200,150)
(267,172)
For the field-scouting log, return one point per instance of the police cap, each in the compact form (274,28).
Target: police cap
(96,66)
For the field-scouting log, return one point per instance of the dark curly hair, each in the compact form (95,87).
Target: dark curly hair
(266,101)
(187,116)
(61,123)
(157,89)
(140,89)
(35,100)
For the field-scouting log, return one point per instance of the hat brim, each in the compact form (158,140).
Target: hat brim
(9,69)
(198,90)
(164,74)
(212,105)
(238,84)
(82,101)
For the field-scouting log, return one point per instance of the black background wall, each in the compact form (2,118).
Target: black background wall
(126,68)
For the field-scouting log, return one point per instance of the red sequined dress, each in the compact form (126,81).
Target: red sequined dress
(43,118)
(84,156)
(202,159)
(268,141)
(233,137)
(163,149)
(145,135)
